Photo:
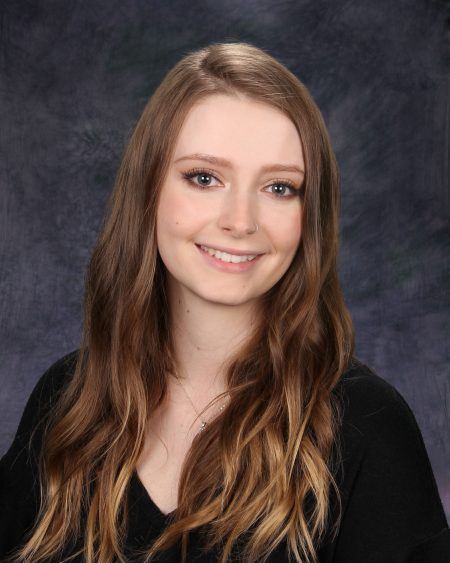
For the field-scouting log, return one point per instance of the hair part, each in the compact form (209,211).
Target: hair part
(262,472)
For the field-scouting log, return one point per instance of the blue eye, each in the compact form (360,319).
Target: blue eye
(205,179)
(191,174)
(284,185)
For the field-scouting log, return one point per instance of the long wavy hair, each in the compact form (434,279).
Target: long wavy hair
(263,469)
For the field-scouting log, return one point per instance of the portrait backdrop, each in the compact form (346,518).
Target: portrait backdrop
(74,79)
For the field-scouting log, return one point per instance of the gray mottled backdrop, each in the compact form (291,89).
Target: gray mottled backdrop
(74,79)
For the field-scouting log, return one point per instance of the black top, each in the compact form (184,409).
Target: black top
(392,511)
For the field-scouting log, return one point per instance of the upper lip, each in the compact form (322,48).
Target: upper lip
(231,250)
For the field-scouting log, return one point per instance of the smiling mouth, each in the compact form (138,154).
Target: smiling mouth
(231,251)
(228,256)
(239,265)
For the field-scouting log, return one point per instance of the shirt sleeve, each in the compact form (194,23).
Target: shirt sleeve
(393,512)
(19,485)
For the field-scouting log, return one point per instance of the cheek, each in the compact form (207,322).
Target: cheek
(286,231)
(177,214)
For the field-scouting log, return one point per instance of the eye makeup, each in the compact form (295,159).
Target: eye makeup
(189,176)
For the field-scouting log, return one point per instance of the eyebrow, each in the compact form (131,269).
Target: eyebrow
(219,161)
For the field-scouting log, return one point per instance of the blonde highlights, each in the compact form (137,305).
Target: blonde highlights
(268,478)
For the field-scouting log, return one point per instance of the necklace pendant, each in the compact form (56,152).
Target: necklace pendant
(202,426)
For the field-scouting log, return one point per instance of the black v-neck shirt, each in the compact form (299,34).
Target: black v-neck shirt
(392,512)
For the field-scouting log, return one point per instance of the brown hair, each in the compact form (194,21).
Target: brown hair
(255,479)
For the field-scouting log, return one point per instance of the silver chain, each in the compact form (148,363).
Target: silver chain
(204,422)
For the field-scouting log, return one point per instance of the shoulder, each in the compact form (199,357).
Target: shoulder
(50,384)
(361,382)
(378,423)
(19,486)
(373,406)
(390,497)
(56,375)
(42,398)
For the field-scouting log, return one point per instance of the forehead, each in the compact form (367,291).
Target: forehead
(245,131)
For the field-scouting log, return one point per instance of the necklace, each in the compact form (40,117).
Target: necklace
(204,422)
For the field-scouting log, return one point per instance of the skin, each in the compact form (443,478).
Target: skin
(212,311)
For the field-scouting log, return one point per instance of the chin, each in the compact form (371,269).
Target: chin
(233,300)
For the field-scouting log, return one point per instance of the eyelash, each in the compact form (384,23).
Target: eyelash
(190,174)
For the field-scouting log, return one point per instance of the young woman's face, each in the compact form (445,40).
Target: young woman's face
(221,203)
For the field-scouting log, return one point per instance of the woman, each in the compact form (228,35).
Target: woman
(215,408)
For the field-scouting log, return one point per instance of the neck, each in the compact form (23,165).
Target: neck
(205,334)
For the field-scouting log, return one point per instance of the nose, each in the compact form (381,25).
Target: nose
(239,214)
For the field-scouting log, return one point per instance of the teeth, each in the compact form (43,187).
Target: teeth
(225,257)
